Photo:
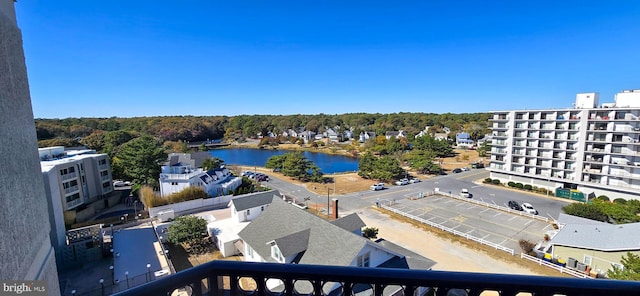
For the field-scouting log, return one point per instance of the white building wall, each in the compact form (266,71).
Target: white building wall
(250,255)
(376,256)
(628,98)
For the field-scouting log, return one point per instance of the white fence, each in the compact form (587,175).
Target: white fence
(447,229)
(491,205)
(561,269)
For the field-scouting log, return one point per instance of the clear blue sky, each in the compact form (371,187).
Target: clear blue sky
(156,58)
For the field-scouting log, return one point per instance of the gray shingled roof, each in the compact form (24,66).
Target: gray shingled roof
(254,200)
(294,243)
(602,237)
(411,260)
(328,244)
(349,223)
(295,231)
(570,219)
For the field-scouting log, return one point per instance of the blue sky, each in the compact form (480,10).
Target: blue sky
(157,58)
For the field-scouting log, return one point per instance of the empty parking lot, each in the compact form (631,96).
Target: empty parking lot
(489,224)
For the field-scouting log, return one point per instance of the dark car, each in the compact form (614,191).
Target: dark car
(515,205)
(455,171)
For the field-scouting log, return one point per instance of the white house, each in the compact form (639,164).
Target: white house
(464,140)
(180,172)
(364,136)
(289,235)
(395,134)
(248,207)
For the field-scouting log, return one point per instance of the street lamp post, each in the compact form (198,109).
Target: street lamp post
(135,209)
(328,206)
(126,274)
(112,278)
(102,286)
(149,271)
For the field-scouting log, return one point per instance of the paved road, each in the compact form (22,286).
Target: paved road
(549,207)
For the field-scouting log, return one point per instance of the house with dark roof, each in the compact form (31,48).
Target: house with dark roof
(182,170)
(394,134)
(286,234)
(248,207)
(364,136)
(598,245)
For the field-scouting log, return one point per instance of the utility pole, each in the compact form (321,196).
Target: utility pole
(328,205)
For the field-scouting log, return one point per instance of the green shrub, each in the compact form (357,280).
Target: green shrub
(518,185)
(620,201)
(487,180)
(511,184)
(495,181)
(603,198)
(528,187)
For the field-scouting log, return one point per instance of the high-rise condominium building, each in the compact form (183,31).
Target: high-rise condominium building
(591,148)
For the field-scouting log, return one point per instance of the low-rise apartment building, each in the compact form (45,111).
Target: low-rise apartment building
(591,148)
(72,179)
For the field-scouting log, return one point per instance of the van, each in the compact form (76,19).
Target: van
(465,193)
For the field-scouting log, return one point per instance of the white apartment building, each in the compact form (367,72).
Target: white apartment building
(71,179)
(181,171)
(592,148)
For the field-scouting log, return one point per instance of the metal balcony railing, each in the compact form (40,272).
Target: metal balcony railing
(295,279)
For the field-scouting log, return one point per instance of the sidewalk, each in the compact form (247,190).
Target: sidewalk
(449,255)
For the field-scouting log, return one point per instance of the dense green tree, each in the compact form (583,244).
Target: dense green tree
(212,163)
(484,149)
(139,160)
(275,162)
(423,161)
(112,140)
(187,229)
(94,141)
(439,148)
(294,164)
(366,165)
(585,211)
(370,232)
(630,270)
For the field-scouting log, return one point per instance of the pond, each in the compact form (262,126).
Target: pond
(327,163)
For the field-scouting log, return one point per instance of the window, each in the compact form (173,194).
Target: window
(104,173)
(72,170)
(174,183)
(248,212)
(102,162)
(73,197)
(106,184)
(275,253)
(587,260)
(363,260)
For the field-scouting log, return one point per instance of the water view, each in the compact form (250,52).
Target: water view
(327,163)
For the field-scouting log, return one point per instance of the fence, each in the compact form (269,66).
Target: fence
(492,205)
(453,231)
(559,268)
(108,287)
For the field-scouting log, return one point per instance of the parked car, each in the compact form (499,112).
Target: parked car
(120,183)
(414,180)
(514,205)
(477,165)
(456,170)
(377,186)
(402,182)
(465,193)
(465,169)
(527,207)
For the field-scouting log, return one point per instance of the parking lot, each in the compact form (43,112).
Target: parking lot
(496,226)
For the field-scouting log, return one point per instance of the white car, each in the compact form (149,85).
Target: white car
(527,207)
(414,180)
(402,182)
(465,193)
(120,183)
(377,186)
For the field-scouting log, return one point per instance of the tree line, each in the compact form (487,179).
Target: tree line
(71,131)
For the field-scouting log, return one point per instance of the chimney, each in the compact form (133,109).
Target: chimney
(335,209)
